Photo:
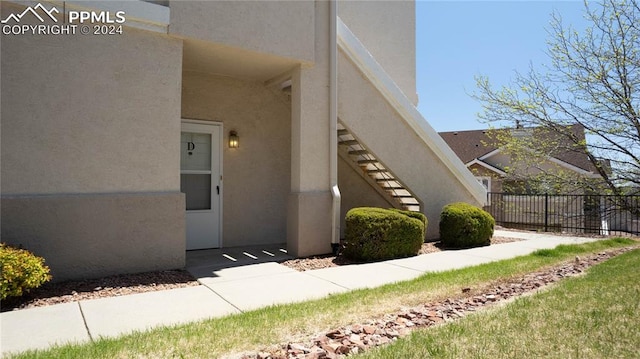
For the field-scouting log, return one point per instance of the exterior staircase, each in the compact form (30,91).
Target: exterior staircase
(387,142)
(362,161)
(396,147)
(374,172)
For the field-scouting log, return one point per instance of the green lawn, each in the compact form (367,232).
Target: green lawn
(256,329)
(593,316)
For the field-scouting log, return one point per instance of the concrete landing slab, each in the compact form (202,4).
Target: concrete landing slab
(207,275)
(261,291)
(41,328)
(237,256)
(111,317)
(370,275)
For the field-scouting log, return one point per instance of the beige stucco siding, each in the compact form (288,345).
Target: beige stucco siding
(310,201)
(90,236)
(282,28)
(256,178)
(90,151)
(369,117)
(387,29)
(90,114)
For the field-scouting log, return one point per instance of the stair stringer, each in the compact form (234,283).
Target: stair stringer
(381,180)
(345,156)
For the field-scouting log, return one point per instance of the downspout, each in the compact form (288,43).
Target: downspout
(333,125)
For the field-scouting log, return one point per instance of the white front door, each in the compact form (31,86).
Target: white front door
(201,182)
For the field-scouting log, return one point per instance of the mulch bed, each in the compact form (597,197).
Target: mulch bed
(329,260)
(112,286)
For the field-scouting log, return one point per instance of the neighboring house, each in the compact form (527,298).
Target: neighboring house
(180,125)
(521,180)
(496,169)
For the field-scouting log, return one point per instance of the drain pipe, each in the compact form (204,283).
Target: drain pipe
(333,125)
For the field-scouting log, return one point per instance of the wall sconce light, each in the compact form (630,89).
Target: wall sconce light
(234,140)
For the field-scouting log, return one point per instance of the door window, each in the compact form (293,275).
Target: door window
(195,169)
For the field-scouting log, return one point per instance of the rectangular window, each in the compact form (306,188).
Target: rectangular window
(195,169)
(485,182)
(197,190)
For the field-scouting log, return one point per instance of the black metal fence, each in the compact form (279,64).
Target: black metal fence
(598,214)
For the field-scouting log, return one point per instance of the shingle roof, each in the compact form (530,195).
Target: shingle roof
(469,145)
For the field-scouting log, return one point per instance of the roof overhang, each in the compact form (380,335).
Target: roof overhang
(487,166)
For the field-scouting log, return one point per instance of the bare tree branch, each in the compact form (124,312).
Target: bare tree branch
(593,80)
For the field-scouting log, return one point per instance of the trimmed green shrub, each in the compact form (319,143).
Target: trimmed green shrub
(21,271)
(417,215)
(464,226)
(376,233)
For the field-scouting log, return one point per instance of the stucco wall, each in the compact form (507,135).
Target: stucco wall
(388,30)
(369,117)
(283,28)
(90,151)
(256,179)
(309,211)
(89,236)
(89,114)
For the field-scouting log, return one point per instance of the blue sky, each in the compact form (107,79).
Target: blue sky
(457,40)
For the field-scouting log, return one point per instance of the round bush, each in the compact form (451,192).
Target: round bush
(21,271)
(417,215)
(375,234)
(464,226)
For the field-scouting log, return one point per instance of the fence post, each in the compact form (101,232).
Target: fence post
(546,212)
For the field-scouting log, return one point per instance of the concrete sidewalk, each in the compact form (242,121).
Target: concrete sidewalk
(235,288)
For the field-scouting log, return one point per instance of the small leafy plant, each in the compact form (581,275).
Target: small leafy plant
(21,271)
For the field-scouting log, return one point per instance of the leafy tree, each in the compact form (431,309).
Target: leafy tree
(593,81)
